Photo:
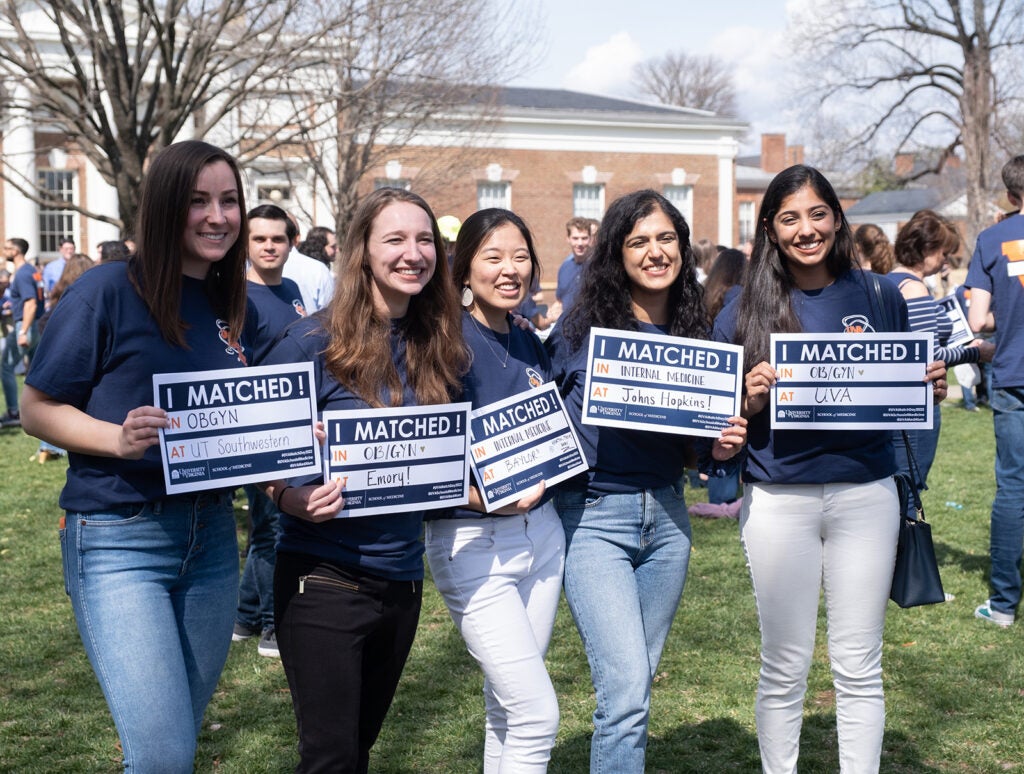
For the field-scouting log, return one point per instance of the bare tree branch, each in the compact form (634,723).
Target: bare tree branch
(688,80)
(922,73)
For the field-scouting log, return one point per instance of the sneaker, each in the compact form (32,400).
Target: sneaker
(986,613)
(11,419)
(242,632)
(268,644)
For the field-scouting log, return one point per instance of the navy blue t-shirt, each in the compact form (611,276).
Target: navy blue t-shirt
(99,353)
(998,268)
(621,460)
(823,456)
(23,287)
(278,307)
(492,377)
(386,546)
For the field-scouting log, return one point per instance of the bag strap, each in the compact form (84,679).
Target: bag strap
(915,472)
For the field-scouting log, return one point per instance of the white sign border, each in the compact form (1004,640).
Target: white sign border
(547,388)
(928,402)
(668,339)
(341,415)
(160,380)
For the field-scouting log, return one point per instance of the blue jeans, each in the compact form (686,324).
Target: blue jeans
(153,590)
(13,355)
(256,589)
(625,567)
(1006,542)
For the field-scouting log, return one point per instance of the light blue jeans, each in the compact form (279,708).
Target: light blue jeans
(153,589)
(625,567)
(1006,541)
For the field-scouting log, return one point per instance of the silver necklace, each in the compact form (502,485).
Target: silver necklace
(480,332)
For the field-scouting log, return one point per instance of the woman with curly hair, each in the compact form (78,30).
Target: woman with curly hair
(626,526)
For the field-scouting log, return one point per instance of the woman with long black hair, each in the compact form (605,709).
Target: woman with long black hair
(819,506)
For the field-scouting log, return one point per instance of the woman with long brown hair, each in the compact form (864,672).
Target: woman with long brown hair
(347,591)
(152,578)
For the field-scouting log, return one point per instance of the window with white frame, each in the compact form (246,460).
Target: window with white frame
(588,200)
(387,182)
(746,218)
(681,197)
(494,194)
(56,224)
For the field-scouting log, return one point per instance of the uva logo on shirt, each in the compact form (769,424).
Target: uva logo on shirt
(298,306)
(535,379)
(857,323)
(234,346)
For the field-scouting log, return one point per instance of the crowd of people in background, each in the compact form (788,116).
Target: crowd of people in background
(405,310)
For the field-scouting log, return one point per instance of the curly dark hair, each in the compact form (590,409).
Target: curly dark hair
(604,298)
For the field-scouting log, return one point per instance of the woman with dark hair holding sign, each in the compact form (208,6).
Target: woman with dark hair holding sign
(153,579)
(347,590)
(500,573)
(819,506)
(626,526)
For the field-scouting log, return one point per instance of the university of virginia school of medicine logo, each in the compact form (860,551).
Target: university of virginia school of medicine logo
(536,380)
(300,310)
(857,323)
(234,346)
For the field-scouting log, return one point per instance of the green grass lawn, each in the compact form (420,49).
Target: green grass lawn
(954,685)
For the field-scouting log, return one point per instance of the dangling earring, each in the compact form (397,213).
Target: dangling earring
(467,297)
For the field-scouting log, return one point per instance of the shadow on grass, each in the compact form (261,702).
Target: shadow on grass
(722,744)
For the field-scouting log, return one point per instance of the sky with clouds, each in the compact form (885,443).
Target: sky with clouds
(592,45)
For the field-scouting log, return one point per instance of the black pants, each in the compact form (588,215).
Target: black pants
(344,637)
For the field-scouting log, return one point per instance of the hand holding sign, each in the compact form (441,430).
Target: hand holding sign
(140,430)
(313,502)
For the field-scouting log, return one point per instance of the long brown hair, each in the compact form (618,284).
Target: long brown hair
(359,352)
(155,269)
(74,267)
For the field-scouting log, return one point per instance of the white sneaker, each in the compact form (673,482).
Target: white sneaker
(986,613)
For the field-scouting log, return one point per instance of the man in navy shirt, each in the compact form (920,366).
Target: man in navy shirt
(996,280)
(25,307)
(278,303)
(577,233)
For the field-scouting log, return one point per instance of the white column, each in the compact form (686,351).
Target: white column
(21,214)
(102,200)
(728,150)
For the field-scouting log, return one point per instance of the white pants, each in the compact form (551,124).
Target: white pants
(501,578)
(796,537)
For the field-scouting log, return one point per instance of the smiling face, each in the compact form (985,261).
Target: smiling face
(652,257)
(499,275)
(401,256)
(214,219)
(805,229)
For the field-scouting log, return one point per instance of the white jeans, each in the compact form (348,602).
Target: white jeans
(501,578)
(795,537)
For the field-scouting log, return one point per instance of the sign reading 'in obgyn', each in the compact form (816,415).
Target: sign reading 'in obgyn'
(237,426)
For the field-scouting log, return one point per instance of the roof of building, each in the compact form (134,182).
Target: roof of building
(891,202)
(529,98)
